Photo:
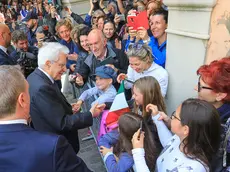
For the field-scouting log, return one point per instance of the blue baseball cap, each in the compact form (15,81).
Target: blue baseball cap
(106,72)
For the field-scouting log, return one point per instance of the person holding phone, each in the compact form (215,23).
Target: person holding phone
(158,23)
(102,54)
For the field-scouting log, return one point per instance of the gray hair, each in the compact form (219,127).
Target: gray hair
(12,85)
(50,51)
(142,51)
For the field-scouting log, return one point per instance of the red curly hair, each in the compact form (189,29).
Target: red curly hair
(217,76)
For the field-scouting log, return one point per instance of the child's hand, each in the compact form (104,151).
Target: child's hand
(138,143)
(105,150)
(76,106)
(153,109)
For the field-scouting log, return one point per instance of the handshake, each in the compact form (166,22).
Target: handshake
(95,110)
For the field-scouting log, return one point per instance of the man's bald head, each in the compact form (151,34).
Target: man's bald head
(97,42)
(3,27)
(5,35)
(2,18)
(97,33)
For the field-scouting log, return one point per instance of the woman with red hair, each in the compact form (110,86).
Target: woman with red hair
(214,87)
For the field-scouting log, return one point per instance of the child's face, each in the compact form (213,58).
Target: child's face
(103,83)
(137,96)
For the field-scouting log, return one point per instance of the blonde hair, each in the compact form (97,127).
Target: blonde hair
(157,2)
(144,53)
(64,22)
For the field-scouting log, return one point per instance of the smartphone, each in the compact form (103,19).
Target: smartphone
(141,128)
(122,17)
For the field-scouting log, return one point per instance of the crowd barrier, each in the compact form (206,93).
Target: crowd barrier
(85,107)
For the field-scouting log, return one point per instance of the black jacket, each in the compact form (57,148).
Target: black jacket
(114,56)
(51,112)
(6,59)
(77,18)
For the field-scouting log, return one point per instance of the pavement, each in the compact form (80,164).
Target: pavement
(88,149)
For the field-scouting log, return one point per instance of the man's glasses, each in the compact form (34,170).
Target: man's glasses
(202,87)
(173,116)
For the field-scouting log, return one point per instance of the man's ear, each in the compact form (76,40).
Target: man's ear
(105,42)
(48,64)
(220,96)
(21,100)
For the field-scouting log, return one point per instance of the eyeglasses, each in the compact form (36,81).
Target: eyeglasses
(173,116)
(202,87)
(97,17)
(61,65)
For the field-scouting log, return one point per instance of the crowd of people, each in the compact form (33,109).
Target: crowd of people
(40,40)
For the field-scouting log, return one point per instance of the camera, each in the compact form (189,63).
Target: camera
(27,61)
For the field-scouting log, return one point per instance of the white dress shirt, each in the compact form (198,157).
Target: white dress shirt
(16,121)
(4,49)
(51,79)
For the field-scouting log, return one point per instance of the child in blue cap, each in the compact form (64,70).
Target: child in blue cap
(105,77)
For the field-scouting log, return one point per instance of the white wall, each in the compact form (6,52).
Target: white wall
(188,33)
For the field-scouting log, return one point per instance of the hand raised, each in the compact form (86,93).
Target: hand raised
(153,109)
(138,143)
(105,150)
(79,80)
(121,77)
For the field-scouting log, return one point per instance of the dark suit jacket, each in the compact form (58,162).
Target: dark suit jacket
(6,59)
(22,149)
(51,112)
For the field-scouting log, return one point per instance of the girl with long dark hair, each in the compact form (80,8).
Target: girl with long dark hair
(116,146)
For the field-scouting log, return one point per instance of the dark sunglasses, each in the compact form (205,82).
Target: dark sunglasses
(173,116)
(96,17)
(202,87)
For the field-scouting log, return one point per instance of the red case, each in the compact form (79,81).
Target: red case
(140,20)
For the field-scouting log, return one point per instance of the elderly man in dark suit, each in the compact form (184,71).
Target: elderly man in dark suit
(21,147)
(5,39)
(50,111)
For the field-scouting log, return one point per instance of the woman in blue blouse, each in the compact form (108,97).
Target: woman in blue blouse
(158,24)
(63,29)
